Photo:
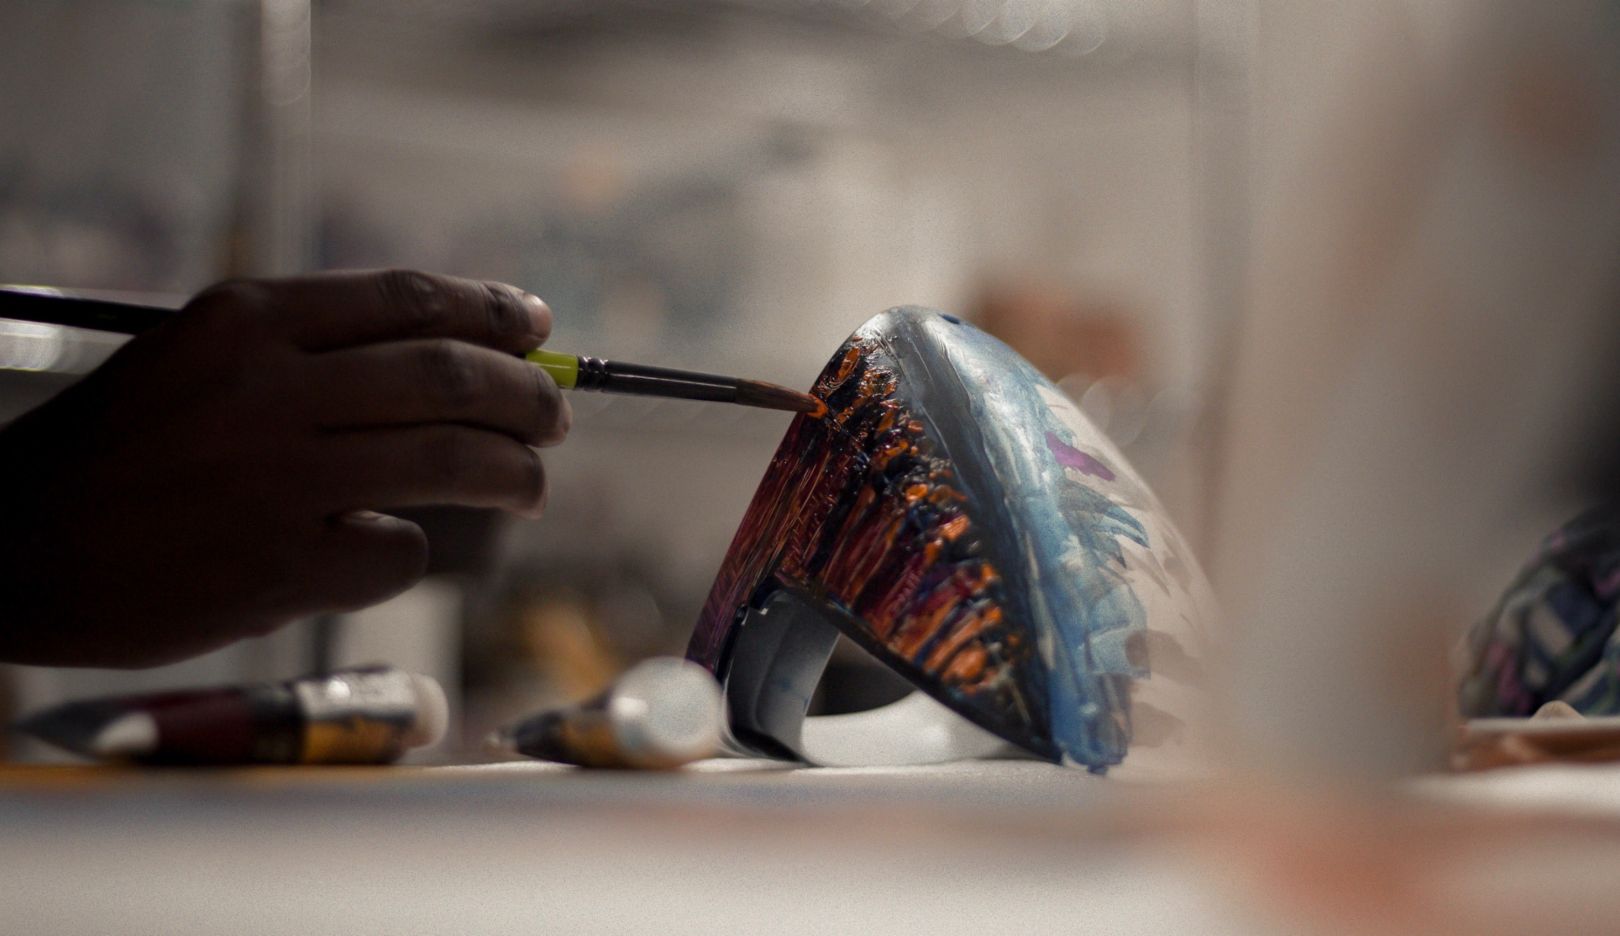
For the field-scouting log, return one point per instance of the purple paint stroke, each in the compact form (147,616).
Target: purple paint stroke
(1070,457)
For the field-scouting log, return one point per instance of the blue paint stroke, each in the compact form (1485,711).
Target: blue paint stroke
(1071,536)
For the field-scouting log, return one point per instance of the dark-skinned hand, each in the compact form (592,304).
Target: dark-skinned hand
(223,474)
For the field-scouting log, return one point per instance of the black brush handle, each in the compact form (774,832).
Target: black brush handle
(647,371)
(49,307)
(643,380)
(55,307)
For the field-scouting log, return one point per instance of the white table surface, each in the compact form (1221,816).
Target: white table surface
(725,846)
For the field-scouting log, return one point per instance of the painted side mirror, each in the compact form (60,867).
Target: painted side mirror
(957,517)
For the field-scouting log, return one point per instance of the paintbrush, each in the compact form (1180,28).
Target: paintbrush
(572,372)
(588,373)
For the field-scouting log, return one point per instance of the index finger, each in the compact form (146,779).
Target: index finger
(341,310)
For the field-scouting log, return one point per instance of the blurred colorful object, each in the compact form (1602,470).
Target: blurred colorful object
(956,516)
(1552,636)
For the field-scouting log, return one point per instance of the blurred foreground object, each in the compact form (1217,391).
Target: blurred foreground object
(1427,377)
(368,715)
(661,714)
(958,518)
(1557,732)
(1552,636)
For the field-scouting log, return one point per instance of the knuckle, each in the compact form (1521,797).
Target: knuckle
(231,302)
(234,293)
(447,458)
(453,374)
(504,315)
(415,298)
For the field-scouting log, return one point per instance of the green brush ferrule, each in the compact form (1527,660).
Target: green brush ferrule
(563,368)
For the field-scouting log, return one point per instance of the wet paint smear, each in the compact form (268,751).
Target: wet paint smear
(1070,457)
(860,513)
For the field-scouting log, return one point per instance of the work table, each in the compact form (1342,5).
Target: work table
(750,846)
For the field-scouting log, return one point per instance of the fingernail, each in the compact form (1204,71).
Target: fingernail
(565,422)
(539,508)
(539,312)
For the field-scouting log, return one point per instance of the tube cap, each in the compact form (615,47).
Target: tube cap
(432,712)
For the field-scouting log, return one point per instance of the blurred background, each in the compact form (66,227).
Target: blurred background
(724,185)
(1338,279)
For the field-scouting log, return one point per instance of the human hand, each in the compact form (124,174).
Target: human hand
(219,475)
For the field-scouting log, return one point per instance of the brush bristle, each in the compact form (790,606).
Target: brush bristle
(771,396)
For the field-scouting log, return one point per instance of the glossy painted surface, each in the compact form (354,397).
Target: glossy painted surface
(960,519)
